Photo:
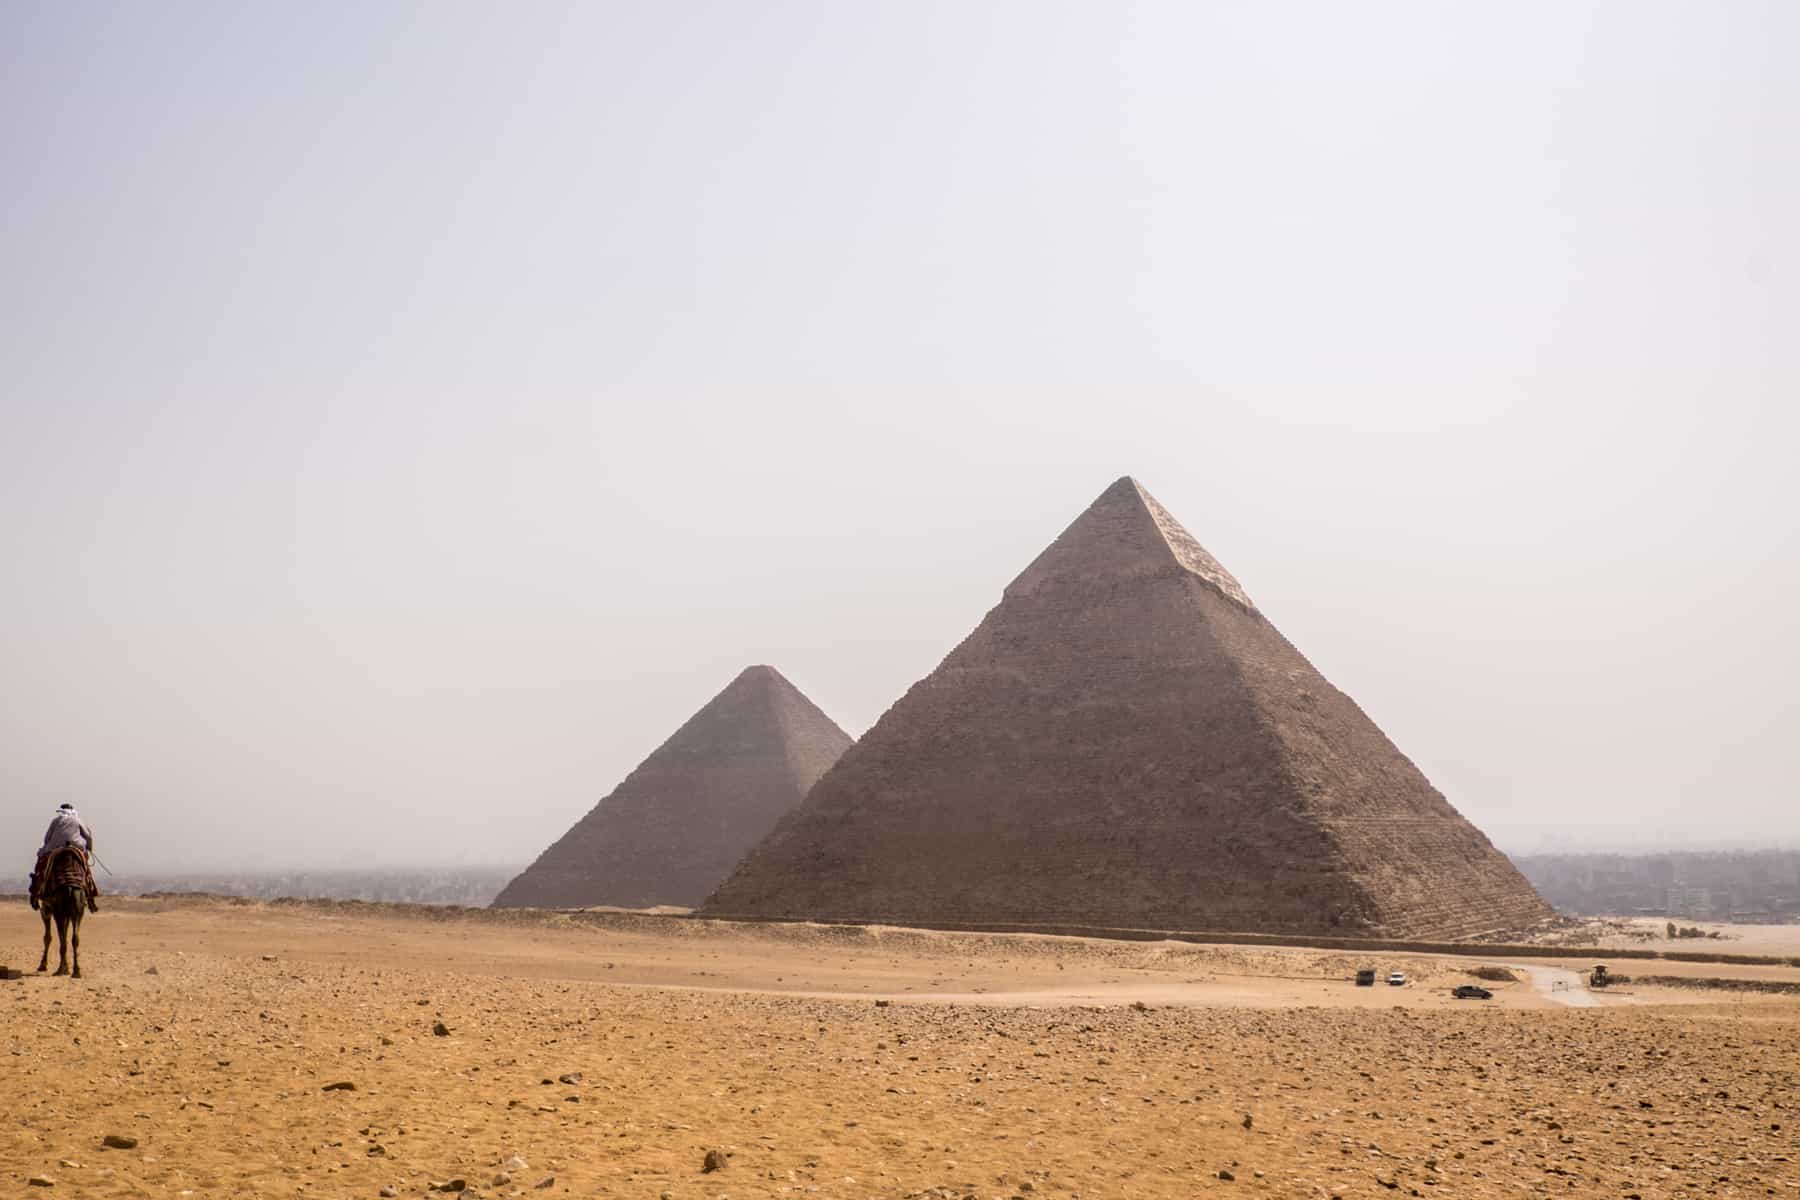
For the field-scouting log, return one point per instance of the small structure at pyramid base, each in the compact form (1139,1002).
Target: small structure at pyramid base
(1126,742)
(678,824)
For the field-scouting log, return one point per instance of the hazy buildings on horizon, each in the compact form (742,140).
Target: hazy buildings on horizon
(1746,886)
(474,887)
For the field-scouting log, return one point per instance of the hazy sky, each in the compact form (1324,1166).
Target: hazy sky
(413,412)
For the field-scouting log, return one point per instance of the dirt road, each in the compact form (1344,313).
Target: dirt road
(1561,985)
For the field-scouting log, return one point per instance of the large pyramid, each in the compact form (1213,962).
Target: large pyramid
(673,830)
(1125,741)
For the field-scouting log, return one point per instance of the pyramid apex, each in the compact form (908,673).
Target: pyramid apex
(1125,487)
(756,673)
(1127,532)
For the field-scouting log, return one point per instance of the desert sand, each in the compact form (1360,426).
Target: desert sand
(609,1054)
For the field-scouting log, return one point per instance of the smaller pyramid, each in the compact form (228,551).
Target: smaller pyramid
(672,831)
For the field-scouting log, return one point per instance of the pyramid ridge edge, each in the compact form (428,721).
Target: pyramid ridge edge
(1187,551)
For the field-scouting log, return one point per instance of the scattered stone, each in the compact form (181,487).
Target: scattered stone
(1249,1120)
(1227,1176)
(572,1077)
(440,1030)
(342,1085)
(119,1141)
(882,1003)
(448,1185)
(268,958)
(548,1181)
(151,970)
(388,1192)
(714,1161)
(41,1181)
(515,1164)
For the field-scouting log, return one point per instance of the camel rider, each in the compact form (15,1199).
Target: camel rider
(66,829)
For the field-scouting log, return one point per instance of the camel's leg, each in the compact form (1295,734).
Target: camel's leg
(75,942)
(44,962)
(62,944)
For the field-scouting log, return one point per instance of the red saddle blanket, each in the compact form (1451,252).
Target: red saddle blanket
(67,866)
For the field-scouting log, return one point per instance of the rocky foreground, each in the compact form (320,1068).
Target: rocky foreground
(234,1074)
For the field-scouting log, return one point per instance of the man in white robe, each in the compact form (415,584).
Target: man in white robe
(66,829)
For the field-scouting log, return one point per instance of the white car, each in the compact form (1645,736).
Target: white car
(1397,979)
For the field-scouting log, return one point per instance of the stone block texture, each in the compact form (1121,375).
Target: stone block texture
(675,827)
(1125,741)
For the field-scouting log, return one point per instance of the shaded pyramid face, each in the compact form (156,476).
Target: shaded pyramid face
(675,827)
(1125,741)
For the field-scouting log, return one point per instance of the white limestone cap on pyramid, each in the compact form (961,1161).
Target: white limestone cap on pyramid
(1125,533)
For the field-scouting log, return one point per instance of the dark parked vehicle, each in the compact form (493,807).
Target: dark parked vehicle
(1469,991)
(1365,978)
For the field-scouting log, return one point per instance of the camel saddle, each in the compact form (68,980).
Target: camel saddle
(66,866)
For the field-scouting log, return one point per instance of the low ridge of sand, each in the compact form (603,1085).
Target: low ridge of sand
(607,1054)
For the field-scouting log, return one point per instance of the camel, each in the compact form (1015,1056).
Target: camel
(64,899)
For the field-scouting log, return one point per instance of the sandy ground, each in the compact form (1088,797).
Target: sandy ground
(608,1055)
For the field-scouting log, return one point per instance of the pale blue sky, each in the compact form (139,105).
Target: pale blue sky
(413,412)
